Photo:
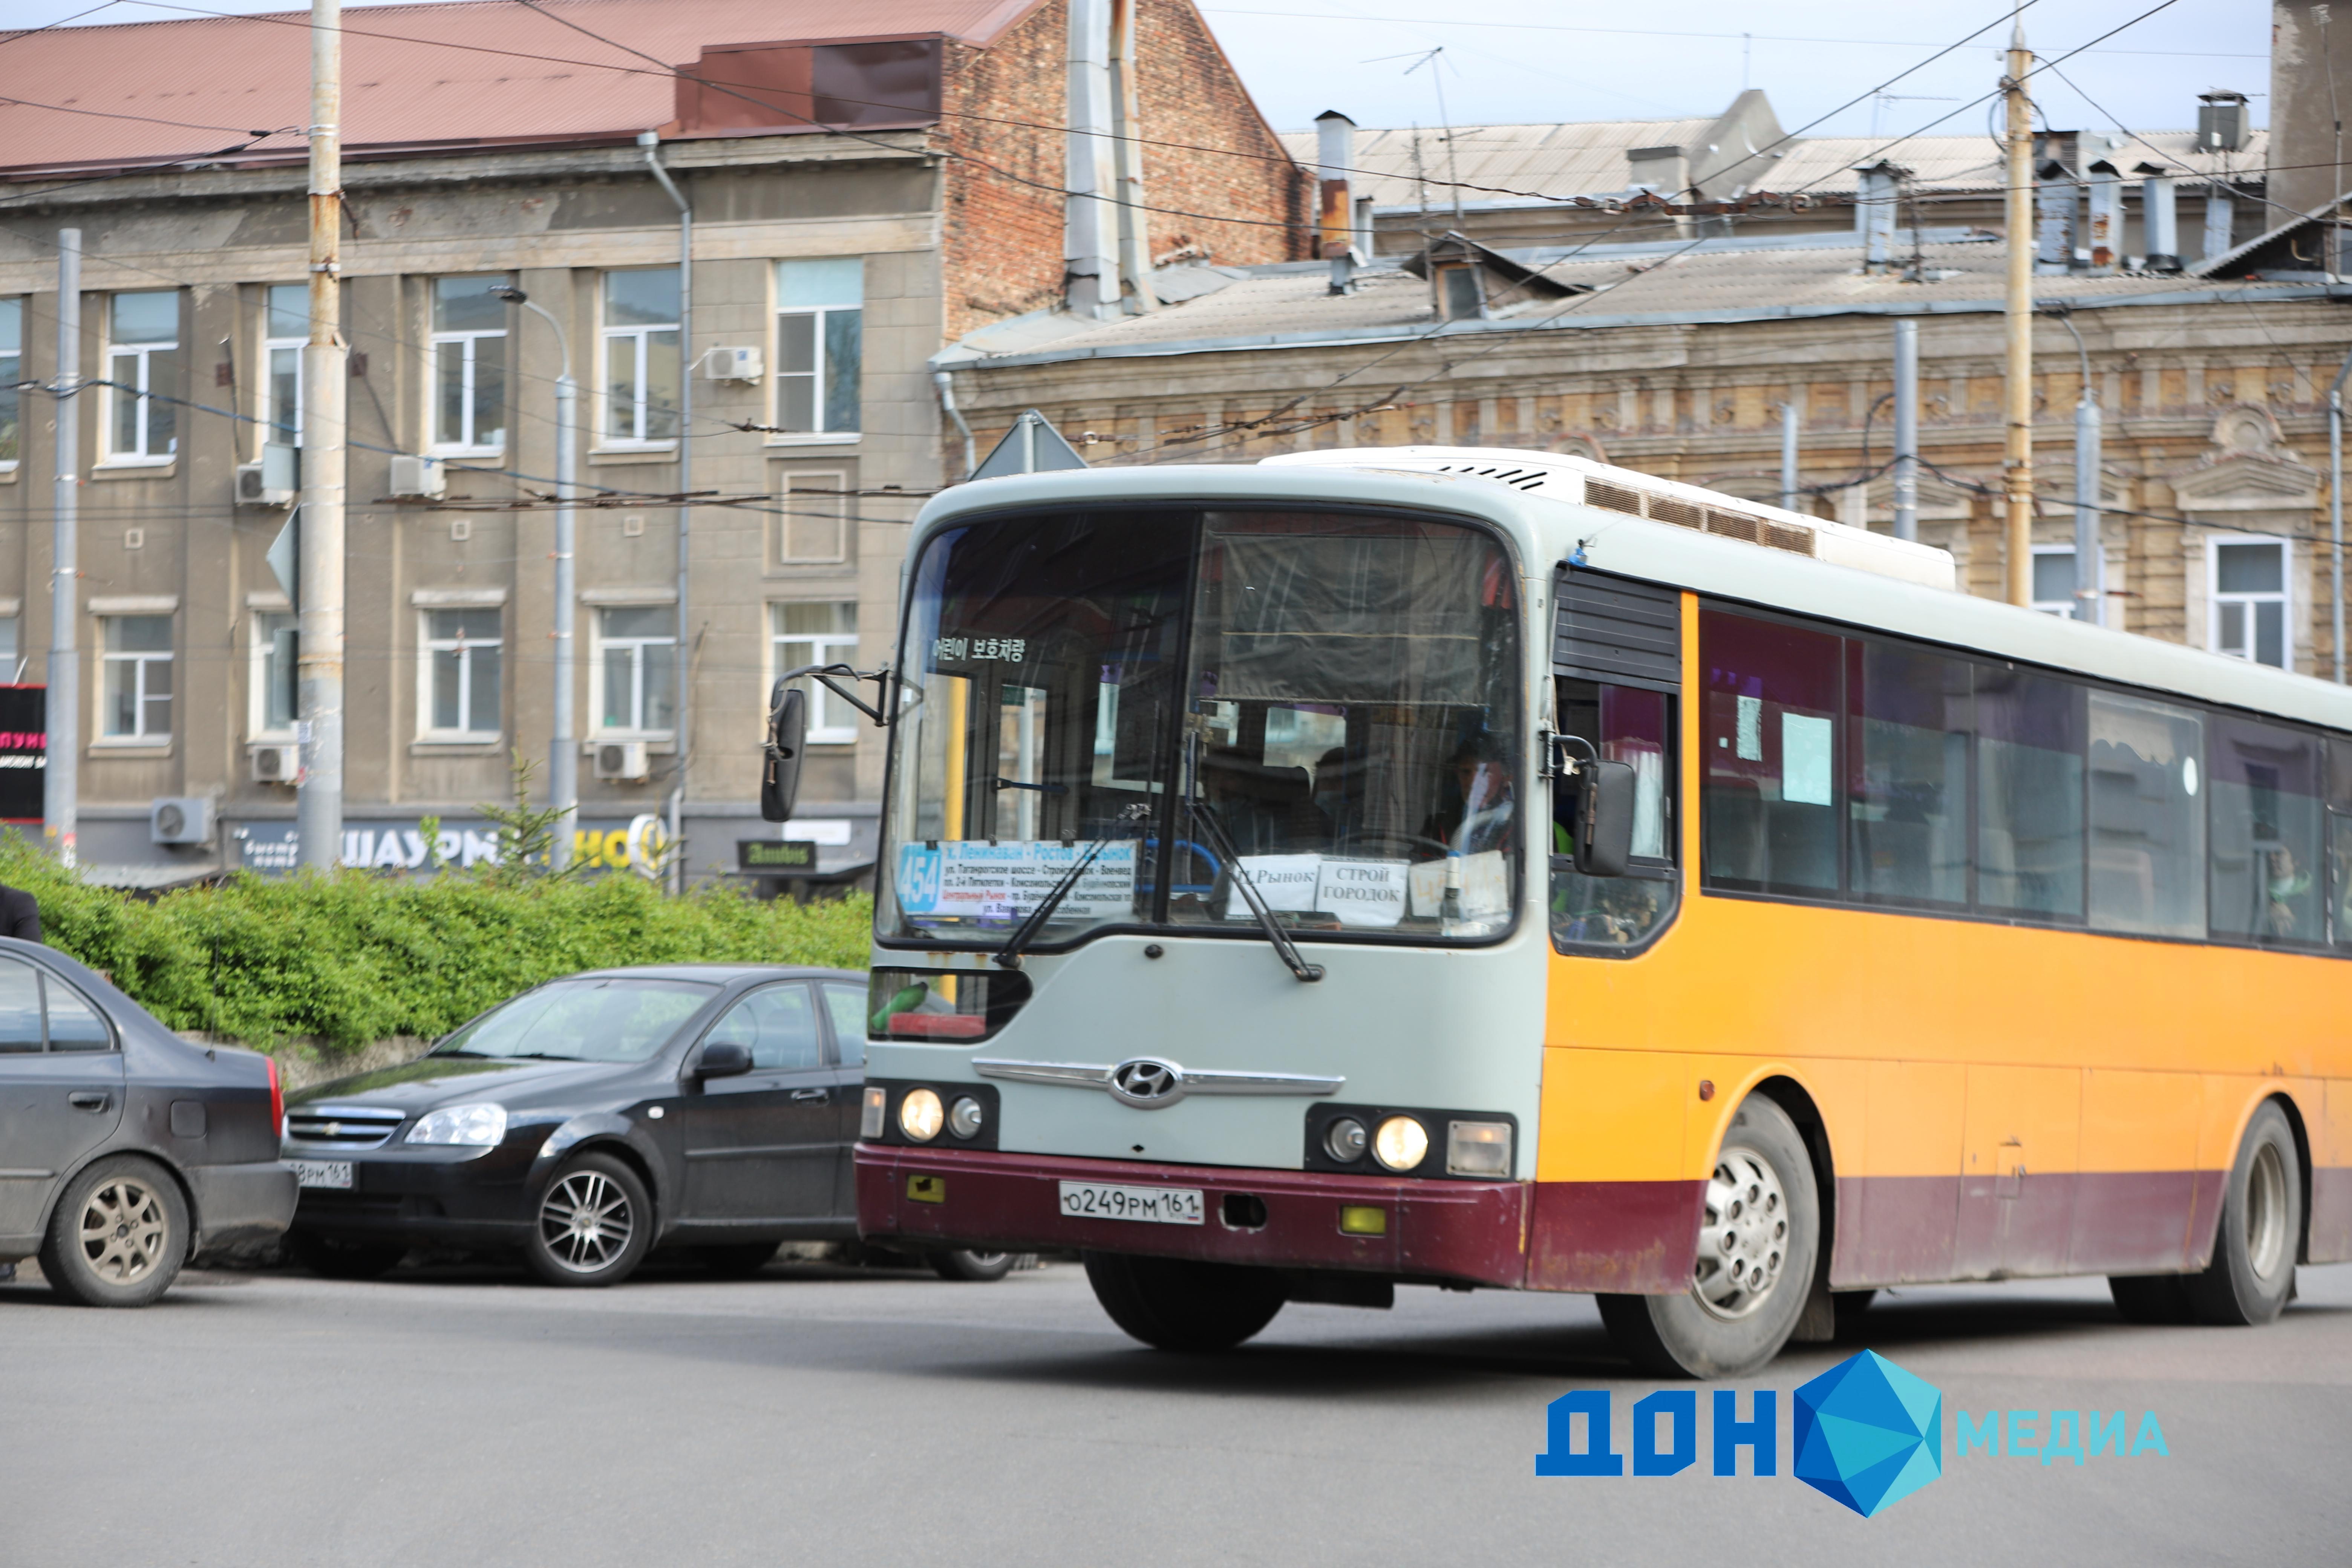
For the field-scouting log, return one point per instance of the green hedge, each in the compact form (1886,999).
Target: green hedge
(350,958)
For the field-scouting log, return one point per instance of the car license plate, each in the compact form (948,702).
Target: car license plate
(322,1172)
(1154,1205)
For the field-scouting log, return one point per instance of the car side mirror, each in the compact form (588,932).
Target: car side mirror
(723,1059)
(780,770)
(1605,826)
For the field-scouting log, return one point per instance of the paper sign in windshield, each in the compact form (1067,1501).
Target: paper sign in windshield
(1004,881)
(1482,885)
(1359,892)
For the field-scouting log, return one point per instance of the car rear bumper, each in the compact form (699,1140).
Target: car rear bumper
(1474,1232)
(241,1202)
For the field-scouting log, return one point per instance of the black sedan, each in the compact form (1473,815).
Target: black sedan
(124,1149)
(691,1106)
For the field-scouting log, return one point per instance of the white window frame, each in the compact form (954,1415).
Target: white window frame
(465,343)
(427,645)
(607,438)
(820,436)
(2065,609)
(600,643)
(139,356)
(2215,598)
(271,347)
(832,721)
(12,370)
(140,736)
(815,485)
(258,651)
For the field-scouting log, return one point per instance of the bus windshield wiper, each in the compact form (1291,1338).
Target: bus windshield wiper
(1222,842)
(1009,955)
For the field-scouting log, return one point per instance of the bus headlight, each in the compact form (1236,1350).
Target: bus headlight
(920,1115)
(1345,1140)
(1478,1148)
(965,1117)
(1402,1143)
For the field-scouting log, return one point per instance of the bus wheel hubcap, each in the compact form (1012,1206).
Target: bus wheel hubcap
(1745,1240)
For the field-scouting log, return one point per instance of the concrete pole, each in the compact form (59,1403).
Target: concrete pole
(2090,556)
(58,790)
(564,748)
(319,664)
(1907,428)
(1789,496)
(2017,464)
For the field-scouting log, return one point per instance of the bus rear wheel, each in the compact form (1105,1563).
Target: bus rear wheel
(2253,1271)
(1176,1304)
(1758,1235)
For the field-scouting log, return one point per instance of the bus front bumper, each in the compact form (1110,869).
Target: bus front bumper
(1473,1232)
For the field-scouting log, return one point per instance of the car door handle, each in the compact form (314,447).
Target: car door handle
(812,1094)
(89,1099)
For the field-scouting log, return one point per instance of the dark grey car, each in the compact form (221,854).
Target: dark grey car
(124,1149)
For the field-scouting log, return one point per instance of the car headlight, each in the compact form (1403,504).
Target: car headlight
(473,1126)
(1400,1143)
(920,1115)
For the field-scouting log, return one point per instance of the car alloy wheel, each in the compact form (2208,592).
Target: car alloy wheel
(123,1230)
(586,1222)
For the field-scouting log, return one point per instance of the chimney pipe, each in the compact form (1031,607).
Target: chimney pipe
(1091,212)
(1874,213)
(1334,152)
(2054,204)
(2221,217)
(2160,217)
(2106,188)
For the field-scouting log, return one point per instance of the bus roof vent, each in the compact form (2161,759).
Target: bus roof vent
(1558,477)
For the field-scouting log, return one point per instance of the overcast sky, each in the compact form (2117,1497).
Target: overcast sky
(1561,60)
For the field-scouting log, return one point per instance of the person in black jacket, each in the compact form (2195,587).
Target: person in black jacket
(20,916)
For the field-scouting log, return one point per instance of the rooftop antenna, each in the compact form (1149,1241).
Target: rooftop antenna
(1879,100)
(1445,122)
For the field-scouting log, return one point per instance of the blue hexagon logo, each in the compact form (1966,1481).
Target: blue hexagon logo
(1868,1433)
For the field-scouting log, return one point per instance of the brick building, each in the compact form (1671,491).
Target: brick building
(866,182)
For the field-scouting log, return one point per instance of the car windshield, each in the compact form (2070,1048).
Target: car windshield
(583,1021)
(1158,701)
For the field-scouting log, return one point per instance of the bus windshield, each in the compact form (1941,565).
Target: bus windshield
(1154,704)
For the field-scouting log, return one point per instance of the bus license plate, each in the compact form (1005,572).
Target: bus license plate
(1154,1205)
(334,1174)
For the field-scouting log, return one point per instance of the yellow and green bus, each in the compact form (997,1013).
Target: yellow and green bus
(1489,870)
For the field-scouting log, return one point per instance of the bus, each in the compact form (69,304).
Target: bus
(1496,871)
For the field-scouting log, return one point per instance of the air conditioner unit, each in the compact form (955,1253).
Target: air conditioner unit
(276,765)
(419,477)
(733,364)
(187,819)
(625,761)
(272,481)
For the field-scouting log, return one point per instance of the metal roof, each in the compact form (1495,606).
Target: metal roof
(1293,306)
(480,71)
(1587,158)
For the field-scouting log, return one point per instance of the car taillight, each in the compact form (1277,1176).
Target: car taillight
(276,1097)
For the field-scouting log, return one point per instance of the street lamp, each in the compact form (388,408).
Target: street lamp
(563,749)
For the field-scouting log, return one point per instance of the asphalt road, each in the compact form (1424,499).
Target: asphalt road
(818,1415)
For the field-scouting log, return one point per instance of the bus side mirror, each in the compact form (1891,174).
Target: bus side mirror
(780,771)
(1604,827)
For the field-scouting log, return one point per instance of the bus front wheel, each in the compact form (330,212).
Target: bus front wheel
(1757,1236)
(1176,1304)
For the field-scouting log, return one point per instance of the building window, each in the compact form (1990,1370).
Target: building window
(820,314)
(288,330)
(2248,616)
(640,364)
(12,370)
(273,673)
(142,359)
(461,673)
(136,692)
(800,635)
(637,668)
(2053,580)
(469,365)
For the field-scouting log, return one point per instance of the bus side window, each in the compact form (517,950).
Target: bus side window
(1770,740)
(2266,791)
(1636,728)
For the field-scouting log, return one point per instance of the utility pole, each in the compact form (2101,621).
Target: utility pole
(319,663)
(63,707)
(2017,461)
(684,720)
(1907,428)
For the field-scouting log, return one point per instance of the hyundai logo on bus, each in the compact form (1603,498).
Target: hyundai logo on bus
(1867,1433)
